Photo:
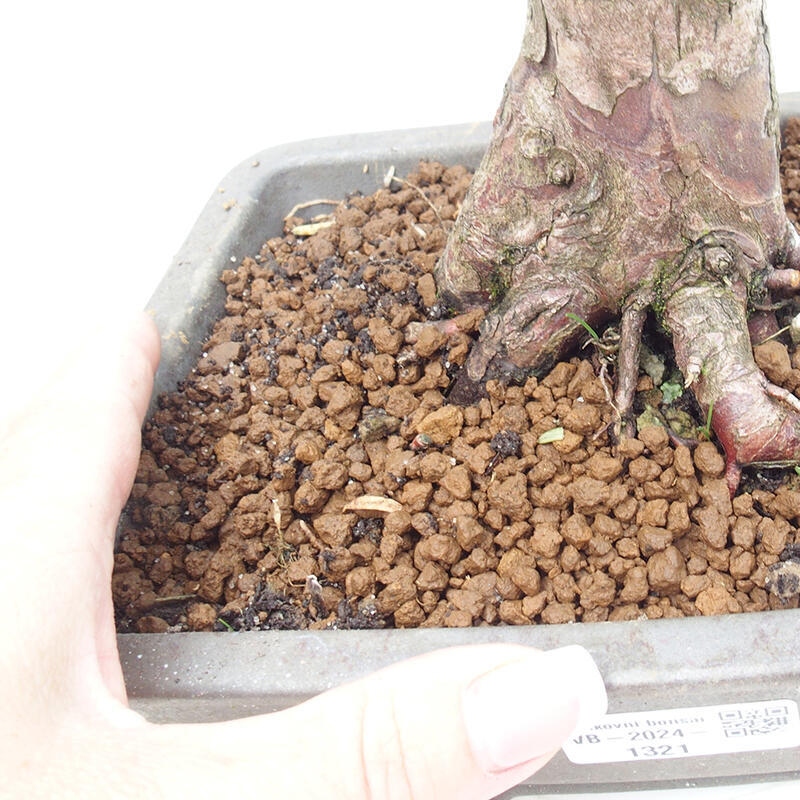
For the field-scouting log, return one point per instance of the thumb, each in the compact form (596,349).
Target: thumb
(466,722)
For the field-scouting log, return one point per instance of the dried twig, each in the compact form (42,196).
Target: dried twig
(392,177)
(310,204)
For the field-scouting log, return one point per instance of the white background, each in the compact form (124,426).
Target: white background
(120,120)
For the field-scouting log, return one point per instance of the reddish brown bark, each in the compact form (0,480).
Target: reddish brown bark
(634,165)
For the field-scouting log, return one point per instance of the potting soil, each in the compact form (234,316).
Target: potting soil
(310,472)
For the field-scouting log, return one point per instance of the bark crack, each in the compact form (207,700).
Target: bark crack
(634,166)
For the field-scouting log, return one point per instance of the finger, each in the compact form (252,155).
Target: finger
(69,457)
(459,723)
(84,422)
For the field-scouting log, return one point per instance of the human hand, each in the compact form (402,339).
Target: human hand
(458,723)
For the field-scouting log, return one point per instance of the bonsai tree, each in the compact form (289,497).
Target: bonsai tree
(634,169)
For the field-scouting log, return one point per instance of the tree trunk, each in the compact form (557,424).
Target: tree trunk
(634,166)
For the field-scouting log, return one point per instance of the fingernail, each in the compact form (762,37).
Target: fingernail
(528,708)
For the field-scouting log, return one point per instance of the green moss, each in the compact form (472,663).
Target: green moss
(662,281)
(510,254)
(499,280)
(499,283)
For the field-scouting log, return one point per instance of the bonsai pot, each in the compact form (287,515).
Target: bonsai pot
(672,671)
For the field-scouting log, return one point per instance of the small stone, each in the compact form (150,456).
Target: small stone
(385,338)
(652,540)
(512,614)
(201,617)
(786,503)
(376,426)
(416,495)
(424,523)
(328,474)
(430,339)
(344,404)
(713,526)
(531,606)
(678,521)
(309,499)
(773,536)
(583,418)
(568,443)
(682,461)
(470,533)
(335,530)
(655,513)
(400,401)
(635,587)
(409,615)
(227,448)
(589,496)
(597,591)
(629,447)
(643,469)
(692,585)
(455,618)
(426,286)
(434,466)
(546,540)
(443,425)
(627,548)
(654,437)
(558,614)
(439,547)
(307,451)
(511,497)
(394,595)
(716,600)
(714,492)
(226,353)
(527,578)
(466,600)
(391,544)
(708,460)
(360,582)
(564,587)
(603,467)
(397,522)
(458,482)
(511,559)
(576,531)
(773,360)
(151,624)
(607,527)
(744,532)
(742,564)
(665,571)
(432,577)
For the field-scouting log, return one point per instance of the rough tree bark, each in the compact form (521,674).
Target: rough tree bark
(634,166)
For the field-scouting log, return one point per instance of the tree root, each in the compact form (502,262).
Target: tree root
(606,195)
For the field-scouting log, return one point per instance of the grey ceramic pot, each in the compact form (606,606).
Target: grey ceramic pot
(647,665)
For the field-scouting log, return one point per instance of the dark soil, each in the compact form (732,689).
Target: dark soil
(310,472)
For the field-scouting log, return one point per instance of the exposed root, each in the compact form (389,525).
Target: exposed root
(606,192)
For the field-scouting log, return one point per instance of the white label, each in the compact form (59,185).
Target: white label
(684,732)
